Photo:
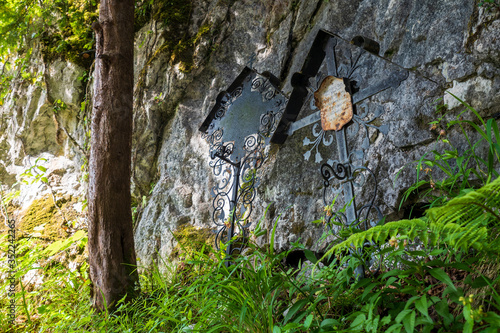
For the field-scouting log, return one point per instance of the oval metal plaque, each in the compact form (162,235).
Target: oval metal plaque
(334,102)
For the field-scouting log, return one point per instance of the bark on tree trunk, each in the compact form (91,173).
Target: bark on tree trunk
(111,242)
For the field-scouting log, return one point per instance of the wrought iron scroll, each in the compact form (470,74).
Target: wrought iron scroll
(335,173)
(238,130)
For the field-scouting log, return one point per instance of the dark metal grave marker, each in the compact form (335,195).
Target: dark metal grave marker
(334,99)
(238,129)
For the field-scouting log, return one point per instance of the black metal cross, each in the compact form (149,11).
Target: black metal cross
(335,98)
(238,129)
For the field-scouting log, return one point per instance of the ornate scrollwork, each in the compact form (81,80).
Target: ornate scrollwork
(265,88)
(237,93)
(252,142)
(356,176)
(347,71)
(237,153)
(362,120)
(337,170)
(258,82)
(336,174)
(270,120)
(320,137)
(225,209)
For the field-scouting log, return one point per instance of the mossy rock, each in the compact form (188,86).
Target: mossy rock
(44,213)
(179,45)
(191,240)
(71,38)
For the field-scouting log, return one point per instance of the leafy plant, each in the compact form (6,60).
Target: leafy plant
(35,173)
(462,170)
(38,303)
(462,223)
(425,273)
(489,5)
(423,289)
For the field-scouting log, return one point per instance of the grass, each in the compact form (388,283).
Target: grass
(437,273)
(423,290)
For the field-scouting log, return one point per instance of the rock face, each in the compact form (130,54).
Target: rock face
(448,45)
(40,134)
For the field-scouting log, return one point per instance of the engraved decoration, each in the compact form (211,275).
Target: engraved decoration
(333,85)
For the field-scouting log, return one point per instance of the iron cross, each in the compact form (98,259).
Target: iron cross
(335,96)
(237,129)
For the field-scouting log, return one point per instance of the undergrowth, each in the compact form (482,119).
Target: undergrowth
(437,273)
(430,287)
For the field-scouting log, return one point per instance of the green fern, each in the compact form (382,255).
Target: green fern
(482,204)
(464,222)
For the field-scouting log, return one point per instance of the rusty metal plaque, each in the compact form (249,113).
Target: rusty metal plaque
(334,102)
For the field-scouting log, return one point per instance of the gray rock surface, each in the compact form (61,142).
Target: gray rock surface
(429,37)
(448,45)
(36,117)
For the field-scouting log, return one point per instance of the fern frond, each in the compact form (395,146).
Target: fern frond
(463,222)
(457,236)
(483,203)
(380,233)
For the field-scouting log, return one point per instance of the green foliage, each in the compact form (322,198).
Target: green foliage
(425,290)
(451,172)
(462,223)
(439,287)
(192,240)
(68,29)
(490,5)
(438,273)
(59,29)
(60,293)
(63,26)
(35,173)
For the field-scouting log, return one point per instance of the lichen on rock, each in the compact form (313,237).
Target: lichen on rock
(192,240)
(44,220)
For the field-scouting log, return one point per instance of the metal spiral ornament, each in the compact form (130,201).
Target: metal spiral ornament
(338,171)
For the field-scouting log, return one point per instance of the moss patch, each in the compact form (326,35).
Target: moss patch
(44,220)
(175,14)
(70,35)
(179,46)
(184,51)
(191,239)
(298,228)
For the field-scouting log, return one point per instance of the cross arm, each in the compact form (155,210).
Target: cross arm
(393,81)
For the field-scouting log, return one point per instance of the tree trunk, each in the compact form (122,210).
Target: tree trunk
(111,242)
